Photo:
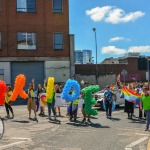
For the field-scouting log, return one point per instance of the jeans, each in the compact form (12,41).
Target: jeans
(108,108)
(8,107)
(51,107)
(147,118)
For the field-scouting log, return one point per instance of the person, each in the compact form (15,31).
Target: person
(146,106)
(72,109)
(8,102)
(50,103)
(31,101)
(57,90)
(86,84)
(39,91)
(108,99)
(129,106)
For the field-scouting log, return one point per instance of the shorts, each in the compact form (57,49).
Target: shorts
(31,104)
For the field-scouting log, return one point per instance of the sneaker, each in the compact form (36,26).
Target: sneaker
(29,118)
(70,118)
(146,129)
(89,121)
(83,120)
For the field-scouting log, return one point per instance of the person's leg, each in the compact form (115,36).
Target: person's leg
(147,119)
(7,110)
(59,111)
(11,110)
(140,113)
(71,113)
(110,109)
(83,112)
(53,109)
(49,110)
(107,107)
(37,105)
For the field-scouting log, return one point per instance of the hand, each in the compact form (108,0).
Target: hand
(44,80)
(33,80)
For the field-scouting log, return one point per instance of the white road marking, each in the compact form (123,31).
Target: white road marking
(12,144)
(129,147)
(142,134)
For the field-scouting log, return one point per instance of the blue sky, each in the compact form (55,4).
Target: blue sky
(121,25)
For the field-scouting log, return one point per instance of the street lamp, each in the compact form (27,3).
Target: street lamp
(94,29)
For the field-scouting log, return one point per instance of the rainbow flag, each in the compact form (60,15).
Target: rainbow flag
(131,96)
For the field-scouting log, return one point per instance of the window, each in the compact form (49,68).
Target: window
(26,41)
(58,41)
(26,6)
(0,41)
(57,6)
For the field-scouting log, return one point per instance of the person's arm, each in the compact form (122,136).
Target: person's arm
(45,84)
(33,82)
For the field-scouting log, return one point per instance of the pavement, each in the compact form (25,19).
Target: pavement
(118,133)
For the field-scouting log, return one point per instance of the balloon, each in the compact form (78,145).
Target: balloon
(3,88)
(89,100)
(76,92)
(18,88)
(50,90)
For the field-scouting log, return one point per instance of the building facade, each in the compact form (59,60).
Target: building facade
(87,56)
(78,57)
(34,40)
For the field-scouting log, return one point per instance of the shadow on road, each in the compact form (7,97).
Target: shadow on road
(81,124)
(133,120)
(115,119)
(55,121)
(20,121)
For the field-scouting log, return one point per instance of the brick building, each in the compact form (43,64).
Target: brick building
(34,40)
(135,66)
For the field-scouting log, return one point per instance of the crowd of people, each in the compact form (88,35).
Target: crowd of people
(72,109)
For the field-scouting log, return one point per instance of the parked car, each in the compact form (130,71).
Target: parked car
(99,97)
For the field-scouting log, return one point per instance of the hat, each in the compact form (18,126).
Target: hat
(107,86)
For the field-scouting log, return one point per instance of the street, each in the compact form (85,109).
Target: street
(119,133)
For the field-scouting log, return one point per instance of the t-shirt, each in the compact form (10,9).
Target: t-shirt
(146,102)
(108,95)
(7,98)
(31,93)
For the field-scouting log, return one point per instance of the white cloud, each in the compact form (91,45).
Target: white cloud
(98,13)
(113,50)
(118,39)
(140,49)
(113,15)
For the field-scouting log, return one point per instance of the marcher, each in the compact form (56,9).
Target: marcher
(57,90)
(39,103)
(86,84)
(31,101)
(72,109)
(8,102)
(129,106)
(146,106)
(108,99)
(50,104)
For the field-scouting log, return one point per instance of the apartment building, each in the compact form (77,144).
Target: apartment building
(34,40)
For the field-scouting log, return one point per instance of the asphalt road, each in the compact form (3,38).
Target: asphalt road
(119,133)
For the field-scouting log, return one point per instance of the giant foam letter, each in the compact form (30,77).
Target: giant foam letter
(2,92)
(18,88)
(76,93)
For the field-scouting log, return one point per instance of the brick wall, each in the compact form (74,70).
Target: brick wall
(44,22)
(103,69)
